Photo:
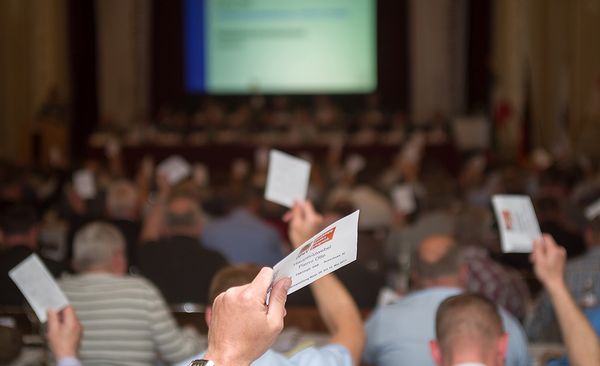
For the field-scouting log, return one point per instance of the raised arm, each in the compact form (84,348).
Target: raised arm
(583,346)
(336,306)
(153,222)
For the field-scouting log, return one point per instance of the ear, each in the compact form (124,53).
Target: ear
(119,262)
(208,315)
(436,353)
(502,346)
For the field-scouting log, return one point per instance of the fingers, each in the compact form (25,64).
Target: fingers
(311,213)
(52,320)
(294,213)
(277,300)
(261,283)
(69,317)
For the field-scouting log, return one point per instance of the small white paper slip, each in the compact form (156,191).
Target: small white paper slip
(84,184)
(404,198)
(287,178)
(517,222)
(175,168)
(593,210)
(38,286)
(331,249)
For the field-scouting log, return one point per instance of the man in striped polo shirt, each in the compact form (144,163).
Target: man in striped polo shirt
(125,319)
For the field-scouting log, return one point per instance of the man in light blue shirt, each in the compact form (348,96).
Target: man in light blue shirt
(243,237)
(399,334)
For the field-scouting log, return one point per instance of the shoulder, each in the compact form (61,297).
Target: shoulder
(332,354)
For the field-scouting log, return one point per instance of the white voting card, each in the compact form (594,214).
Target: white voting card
(84,184)
(404,198)
(517,222)
(287,178)
(175,168)
(593,210)
(331,249)
(38,286)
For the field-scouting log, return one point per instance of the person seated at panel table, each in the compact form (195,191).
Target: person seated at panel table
(335,305)
(125,318)
(171,253)
(399,333)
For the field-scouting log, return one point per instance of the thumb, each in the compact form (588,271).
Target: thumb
(69,316)
(277,300)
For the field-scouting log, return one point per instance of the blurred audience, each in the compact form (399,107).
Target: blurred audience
(172,255)
(410,181)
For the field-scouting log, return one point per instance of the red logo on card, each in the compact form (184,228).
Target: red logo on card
(324,238)
(507,219)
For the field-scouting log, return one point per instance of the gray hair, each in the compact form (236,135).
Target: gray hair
(95,244)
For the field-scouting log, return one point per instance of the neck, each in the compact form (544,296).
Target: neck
(469,356)
(445,281)
(104,269)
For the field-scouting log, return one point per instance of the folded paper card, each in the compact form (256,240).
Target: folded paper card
(331,249)
(517,222)
(38,286)
(287,178)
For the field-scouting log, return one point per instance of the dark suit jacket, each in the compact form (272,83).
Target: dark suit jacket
(180,267)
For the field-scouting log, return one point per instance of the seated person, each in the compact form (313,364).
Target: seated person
(122,210)
(19,239)
(242,236)
(176,262)
(335,305)
(397,334)
(125,318)
(468,331)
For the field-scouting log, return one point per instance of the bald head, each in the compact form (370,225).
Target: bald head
(469,328)
(437,262)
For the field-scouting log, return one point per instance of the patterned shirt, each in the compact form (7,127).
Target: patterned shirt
(500,284)
(125,321)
